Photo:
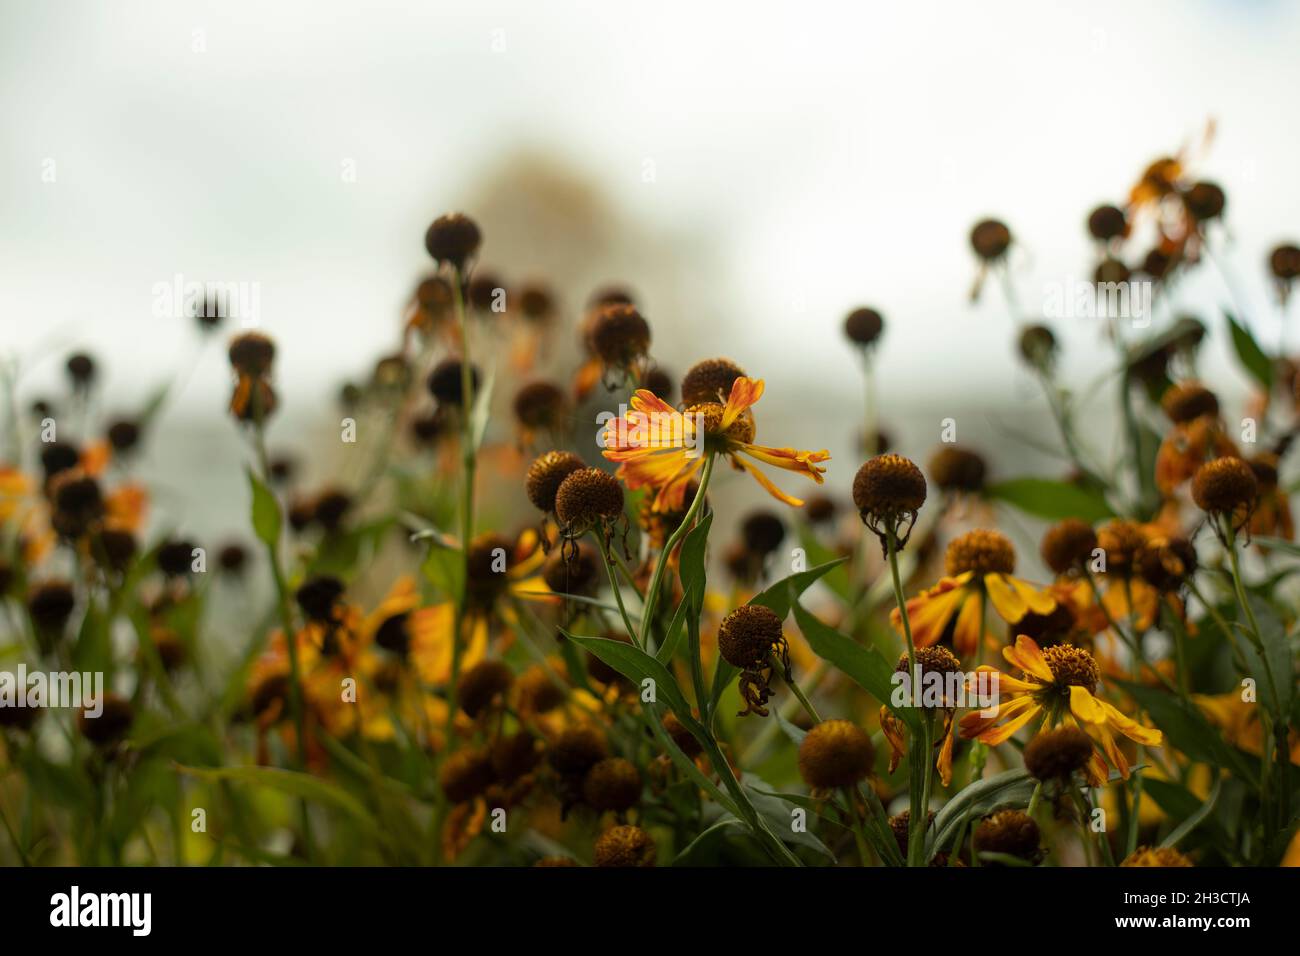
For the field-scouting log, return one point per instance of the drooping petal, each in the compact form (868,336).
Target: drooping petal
(745,392)
(767,484)
(1026,655)
(970,626)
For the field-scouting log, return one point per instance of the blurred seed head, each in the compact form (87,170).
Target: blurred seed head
(453,239)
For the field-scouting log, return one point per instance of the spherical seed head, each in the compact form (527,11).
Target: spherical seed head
(514,755)
(487,563)
(176,557)
(1058,754)
(453,238)
(537,692)
(545,475)
(1123,542)
(123,435)
(482,685)
(50,605)
(465,774)
(536,301)
(540,405)
(81,369)
(393,635)
(625,846)
(864,326)
(990,239)
(888,488)
(1054,627)
(483,290)
(1157,263)
(1187,401)
(330,508)
(446,385)
(820,509)
(957,469)
(318,597)
(982,551)
(577,750)
(1037,345)
(1224,485)
(1072,666)
(1111,270)
(1107,222)
(612,784)
(111,725)
(78,502)
(576,573)
(1068,545)
(835,753)
(682,737)
(232,558)
(115,547)
(251,354)
(586,497)
(1012,832)
(620,335)
(659,383)
(1166,566)
(710,381)
(1164,856)
(762,531)
(1284,262)
(59,456)
(748,634)
(1205,201)
(932,660)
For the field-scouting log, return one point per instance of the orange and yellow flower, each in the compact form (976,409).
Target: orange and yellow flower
(661,448)
(1060,683)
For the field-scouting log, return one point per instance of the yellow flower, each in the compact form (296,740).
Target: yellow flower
(664,449)
(1060,683)
(978,563)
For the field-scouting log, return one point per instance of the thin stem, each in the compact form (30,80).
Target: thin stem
(656,579)
(618,591)
(794,689)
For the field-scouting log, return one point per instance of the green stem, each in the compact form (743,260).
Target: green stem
(656,579)
(618,591)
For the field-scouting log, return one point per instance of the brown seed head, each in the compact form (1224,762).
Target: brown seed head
(864,326)
(982,551)
(1123,541)
(835,753)
(576,572)
(1058,754)
(577,750)
(483,685)
(612,784)
(251,354)
(625,846)
(710,381)
(453,239)
(888,488)
(1187,401)
(541,405)
(465,774)
(620,335)
(1072,666)
(990,239)
(1068,545)
(545,475)
(1284,262)
(1012,832)
(111,725)
(1223,486)
(957,469)
(1204,201)
(1163,856)
(748,634)
(585,497)
(1107,222)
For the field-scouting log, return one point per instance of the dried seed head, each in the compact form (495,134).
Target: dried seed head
(577,750)
(488,562)
(864,326)
(748,634)
(1123,541)
(762,531)
(115,548)
(537,692)
(541,405)
(820,509)
(50,605)
(710,381)
(176,557)
(59,456)
(453,238)
(483,290)
(990,239)
(445,383)
(1012,832)
(536,302)
(620,335)
(465,774)
(888,488)
(1204,201)
(318,597)
(483,685)
(1058,754)
(625,846)
(1166,566)
(1038,346)
(982,551)
(81,369)
(252,354)
(931,660)
(957,469)
(123,435)
(546,474)
(111,725)
(659,383)
(1072,666)
(612,784)
(1187,401)
(1068,545)
(331,507)
(1163,856)
(1107,222)
(1224,486)
(835,753)
(78,503)
(393,634)
(514,755)
(1284,262)
(586,497)
(576,572)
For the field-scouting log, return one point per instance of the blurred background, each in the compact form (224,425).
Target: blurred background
(753,172)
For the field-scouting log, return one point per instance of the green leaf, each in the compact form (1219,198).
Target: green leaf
(727,843)
(1251,356)
(636,665)
(1188,730)
(692,565)
(675,629)
(1012,788)
(783,593)
(1193,819)
(294,784)
(266,512)
(865,665)
(1277,656)
(1053,500)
